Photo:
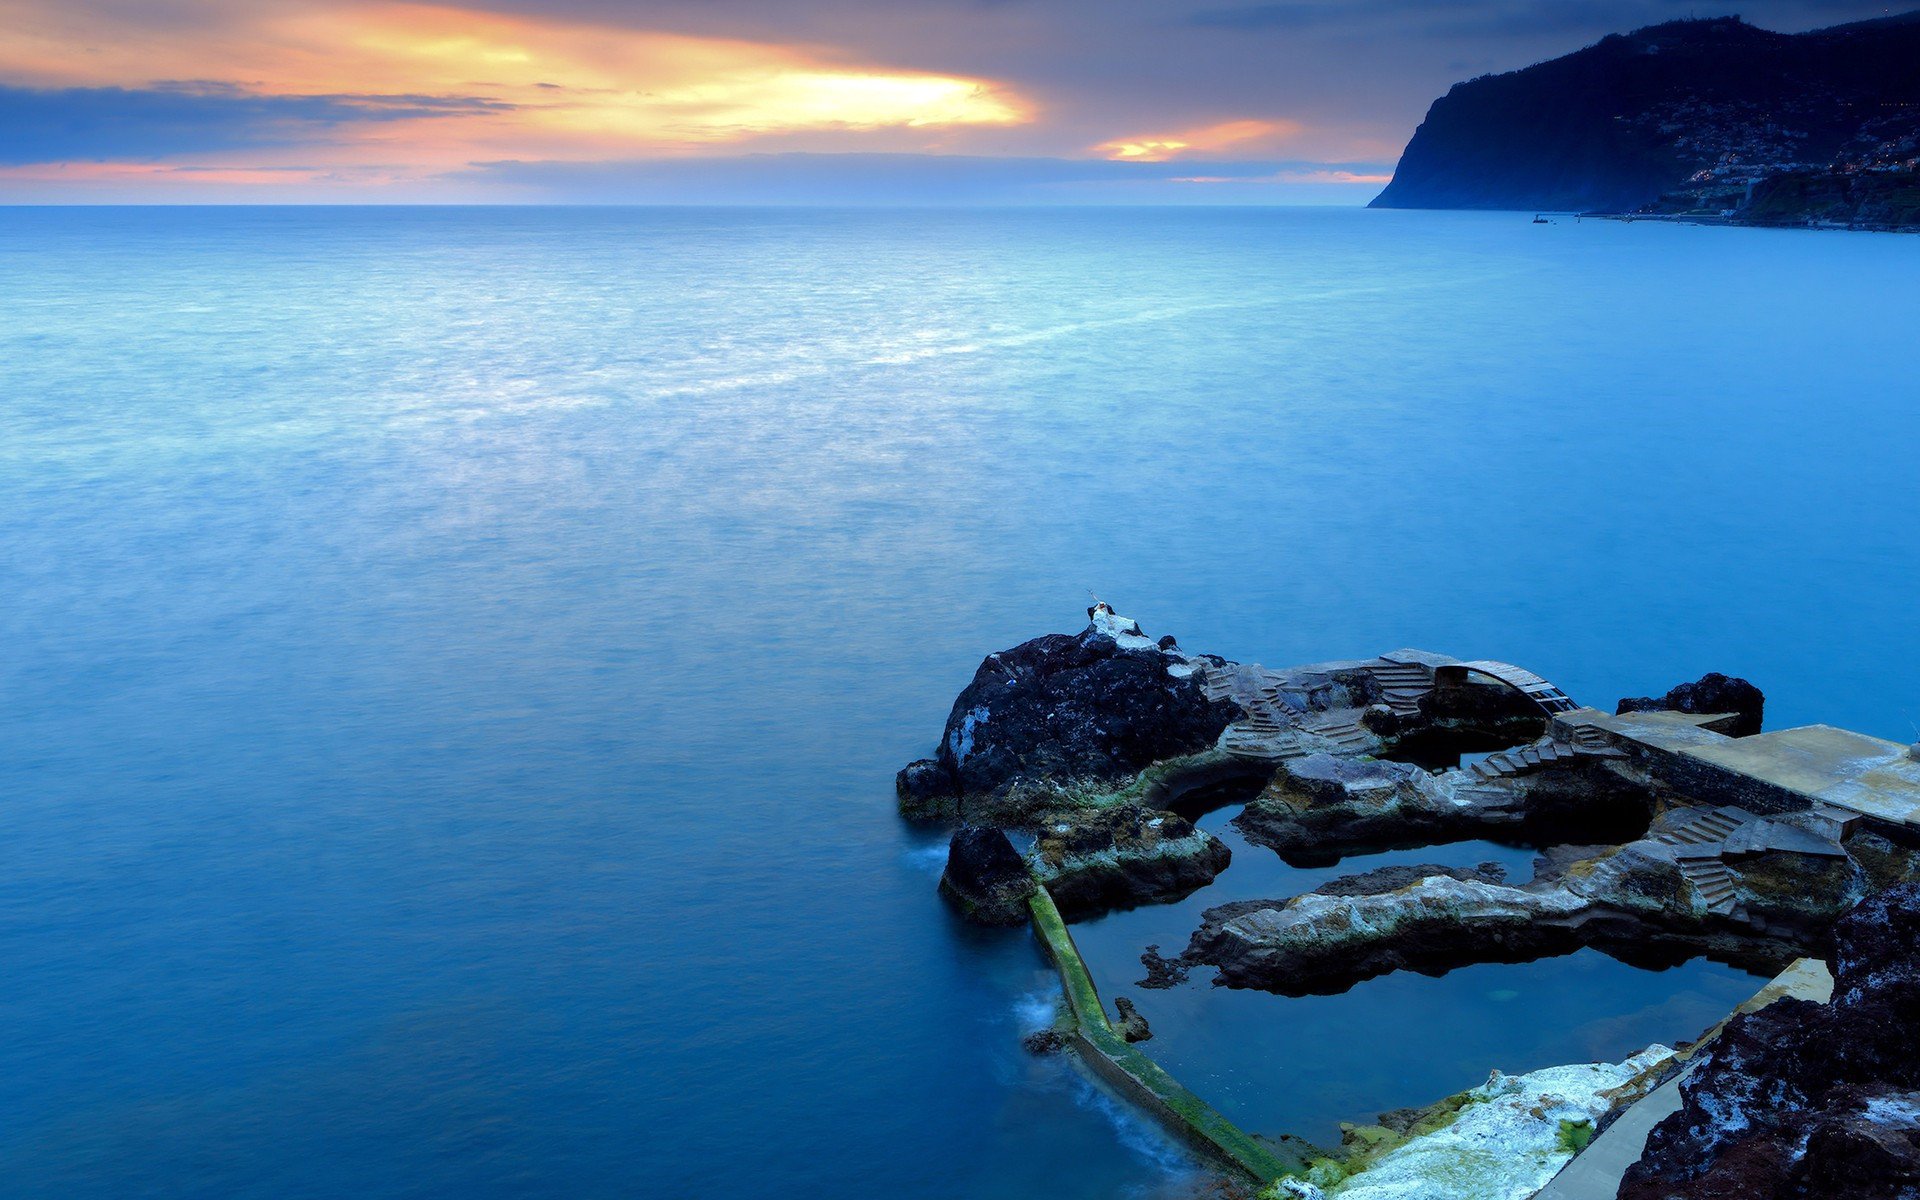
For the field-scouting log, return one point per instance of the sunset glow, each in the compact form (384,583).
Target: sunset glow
(1210,139)
(207,100)
(515,86)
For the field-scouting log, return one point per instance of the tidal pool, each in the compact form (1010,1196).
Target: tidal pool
(1301,1065)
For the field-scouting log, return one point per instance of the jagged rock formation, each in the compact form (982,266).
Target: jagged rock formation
(1090,742)
(1132,1026)
(1321,807)
(1057,713)
(985,877)
(1125,856)
(1323,944)
(1710,116)
(1802,1101)
(1664,837)
(1772,892)
(1711,693)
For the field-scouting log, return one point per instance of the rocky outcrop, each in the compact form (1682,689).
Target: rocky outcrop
(1322,807)
(1803,1101)
(1392,879)
(1125,856)
(1062,713)
(1636,902)
(985,877)
(1711,693)
(1323,944)
(1131,1026)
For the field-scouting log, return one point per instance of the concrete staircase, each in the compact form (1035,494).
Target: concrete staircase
(1697,843)
(1344,730)
(1591,739)
(1709,827)
(1266,732)
(1526,759)
(1402,684)
(1711,880)
(1261,736)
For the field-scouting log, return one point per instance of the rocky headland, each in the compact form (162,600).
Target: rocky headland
(1710,119)
(1666,827)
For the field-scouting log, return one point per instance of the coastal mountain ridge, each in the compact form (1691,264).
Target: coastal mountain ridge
(1711,117)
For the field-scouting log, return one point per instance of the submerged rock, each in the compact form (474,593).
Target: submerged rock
(1059,713)
(985,877)
(1162,972)
(1043,1042)
(1132,1025)
(1711,693)
(1803,1101)
(1125,856)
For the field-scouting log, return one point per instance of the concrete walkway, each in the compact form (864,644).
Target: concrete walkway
(1595,1173)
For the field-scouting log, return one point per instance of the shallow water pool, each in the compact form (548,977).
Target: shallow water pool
(1301,1065)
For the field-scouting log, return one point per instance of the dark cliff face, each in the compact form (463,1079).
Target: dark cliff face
(1693,105)
(1804,1101)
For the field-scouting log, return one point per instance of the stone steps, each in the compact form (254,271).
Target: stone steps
(1402,685)
(1267,744)
(1591,739)
(1709,828)
(1712,881)
(1346,734)
(1522,760)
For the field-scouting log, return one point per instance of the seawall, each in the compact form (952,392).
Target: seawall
(1139,1078)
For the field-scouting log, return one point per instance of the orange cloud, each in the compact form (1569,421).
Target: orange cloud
(569,89)
(1207,140)
(1313,176)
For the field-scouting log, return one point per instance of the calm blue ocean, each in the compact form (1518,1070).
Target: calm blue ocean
(453,662)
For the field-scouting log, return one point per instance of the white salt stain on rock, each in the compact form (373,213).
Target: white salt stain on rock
(961,740)
(1125,631)
(1511,1137)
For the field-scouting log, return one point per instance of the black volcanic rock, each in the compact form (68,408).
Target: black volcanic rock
(1125,856)
(1094,709)
(1711,693)
(1388,879)
(1803,1101)
(985,877)
(1132,1026)
(1676,117)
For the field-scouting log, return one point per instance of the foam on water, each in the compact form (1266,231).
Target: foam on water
(1036,1011)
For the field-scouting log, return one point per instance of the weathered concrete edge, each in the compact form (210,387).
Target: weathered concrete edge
(1135,1075)
(1594,1174)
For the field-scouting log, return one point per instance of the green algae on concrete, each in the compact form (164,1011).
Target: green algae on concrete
(1139,1077)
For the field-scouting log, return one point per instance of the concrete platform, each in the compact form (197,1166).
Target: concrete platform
(1814,766)
(1595,1173)
(1836,767)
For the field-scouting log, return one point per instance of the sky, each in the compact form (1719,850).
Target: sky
(758,101)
